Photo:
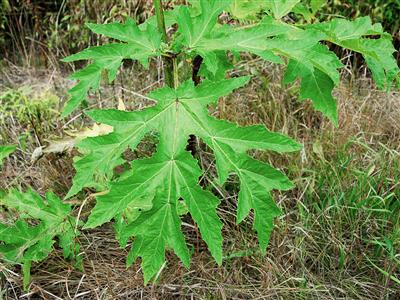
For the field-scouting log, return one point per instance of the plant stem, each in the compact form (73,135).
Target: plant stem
(168,62)
(26,271)
(196,64)
(197,61)
(175,70)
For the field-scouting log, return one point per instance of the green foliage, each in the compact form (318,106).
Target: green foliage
(360,195)
(354,36)
(280,8)
(27,241)
(147,201)
(270,39)
(385,11)
(309,60)
(246,9)
(139,44)
(156,184)
(5,151)
(27,106)
(309,9)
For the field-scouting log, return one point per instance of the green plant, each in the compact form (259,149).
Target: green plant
(5,151)
(385,11)
(148,200)
(351,200)
(31,236)
(30,109)
(26,105)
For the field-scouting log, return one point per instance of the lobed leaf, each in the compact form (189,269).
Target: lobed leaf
(155,186)
(281,8)
(316,85)
(272,40)
(308,59)
(148,200)
(246,9)
(137,44)
(22,243)
(359,36)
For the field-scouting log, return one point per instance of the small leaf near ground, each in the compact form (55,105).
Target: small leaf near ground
(5,151)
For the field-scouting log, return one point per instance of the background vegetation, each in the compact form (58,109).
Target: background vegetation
(339,235)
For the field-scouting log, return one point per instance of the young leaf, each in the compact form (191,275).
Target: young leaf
(318,73)
(246,9)
(5,151)
(316,5)
(53,211)
(22,243)
(137,44)
(281,8)
(155,184)
(195,29)
(215,65)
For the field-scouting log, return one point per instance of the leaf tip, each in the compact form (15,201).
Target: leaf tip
(90,25)
(88,225)
(335,120)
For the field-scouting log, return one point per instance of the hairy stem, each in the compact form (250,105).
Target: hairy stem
(196,64)
(26,270)
(175,70)
(197,61)
(168,62)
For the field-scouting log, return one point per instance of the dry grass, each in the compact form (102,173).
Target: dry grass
(321,247)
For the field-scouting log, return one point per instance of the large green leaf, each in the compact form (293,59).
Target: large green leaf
(137,44)
(157,185)
(357,36)
(149,198)
(271,39)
